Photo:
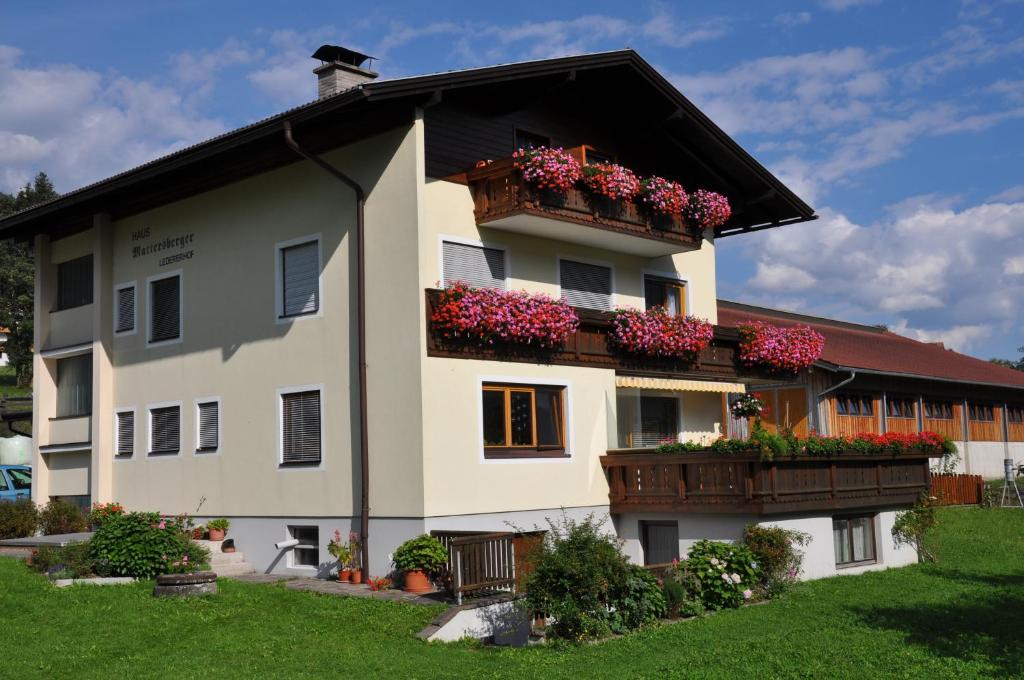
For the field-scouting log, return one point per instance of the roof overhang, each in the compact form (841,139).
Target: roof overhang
(914,376)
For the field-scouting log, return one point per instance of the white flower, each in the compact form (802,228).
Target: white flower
(725,577)
(753,565)
(714,561)
(747,594)
(735,578)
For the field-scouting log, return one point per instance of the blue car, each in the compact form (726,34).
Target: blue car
(15,482)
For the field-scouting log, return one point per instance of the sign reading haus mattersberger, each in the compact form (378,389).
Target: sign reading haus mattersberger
(179,243)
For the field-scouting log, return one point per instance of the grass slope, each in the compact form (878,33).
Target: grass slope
(961,618)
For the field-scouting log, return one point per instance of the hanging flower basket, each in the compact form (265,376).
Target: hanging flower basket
(656,333)
(706,209)
(780,350)
(551,169)
(494,317)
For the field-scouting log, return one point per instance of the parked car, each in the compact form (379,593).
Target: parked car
(15,482)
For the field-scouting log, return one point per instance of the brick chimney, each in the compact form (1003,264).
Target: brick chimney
(340,69)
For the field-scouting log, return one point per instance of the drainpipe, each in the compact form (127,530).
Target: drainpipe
(364,449)
(845,381)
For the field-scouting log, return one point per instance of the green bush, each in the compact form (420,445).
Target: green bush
(141,544)
(913,526)
(62,517)
(637,602)
(18,519)
(680,588)
(724,574)
(423,553)
(70,561)
(777,554)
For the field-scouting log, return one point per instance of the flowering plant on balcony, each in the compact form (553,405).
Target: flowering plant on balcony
(772,445)
(783,350)
(748,406)
(662,196)
(706,209)
(496,316)
(546,168)
(656,333)
(610,180)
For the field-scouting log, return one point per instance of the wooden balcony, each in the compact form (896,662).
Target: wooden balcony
(642,481)
(502,200)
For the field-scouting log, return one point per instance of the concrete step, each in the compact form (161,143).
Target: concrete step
(233,569)
(226,564)
(227,558)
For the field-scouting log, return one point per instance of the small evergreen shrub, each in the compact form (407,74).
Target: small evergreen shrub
(62,517)
(724,574)
(681,589)
(637,602)
(70,561)
(423,553)
(143,545)
(777,554)
(18,519)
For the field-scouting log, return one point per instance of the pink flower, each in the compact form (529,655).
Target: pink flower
(706,209)
(747,594)
(786,350)
(162,525)
(656,333)
(546,168)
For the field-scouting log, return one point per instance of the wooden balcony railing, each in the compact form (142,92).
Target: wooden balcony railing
(643,481)
(499,193)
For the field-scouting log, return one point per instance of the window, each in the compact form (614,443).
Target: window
(20,479)
(165,430)
(307,552)
(74,386)
(74,283)
(523,421)
(3,482)
(854,405)
(300,428)
(124,423)
(586,285)
(165,308)
(938,410)
(660,542)
(982,413)
(854,540)
(1015,414)
(659,421)
(478,266)
(207,426)
(530,140)
(667,293)
(124,308)
(300,279)
(899,408)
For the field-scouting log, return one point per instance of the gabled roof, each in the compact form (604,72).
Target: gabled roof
(368,109)
(868,348)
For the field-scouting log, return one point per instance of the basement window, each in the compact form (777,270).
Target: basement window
(854,540)
(307,553)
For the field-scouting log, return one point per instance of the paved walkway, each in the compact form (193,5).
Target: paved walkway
(58,540)
(324,587)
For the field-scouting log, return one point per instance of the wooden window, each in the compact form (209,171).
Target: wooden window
(1015,414)
(208,426)
(899,408)
(586,285)
(307,552)
(525,139)
(125,434)
(660,542)
(300,428)
(165,430)
(938,410)
(854,540)
(982,413)
(523,421)
(124,309)
(74,386)
(165,309)
(300,279)
(667,293)
(478,266)
(74,283)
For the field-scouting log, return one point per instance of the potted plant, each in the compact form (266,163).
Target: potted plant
(218,528)
(197,532)
(341,552)
(356,575)
(417,558)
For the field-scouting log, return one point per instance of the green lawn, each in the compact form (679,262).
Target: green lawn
(963,618)
(9,385)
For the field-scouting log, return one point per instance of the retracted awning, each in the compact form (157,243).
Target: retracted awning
(643,383)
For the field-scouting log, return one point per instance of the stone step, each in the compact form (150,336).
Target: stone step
(233,569)
(227,558)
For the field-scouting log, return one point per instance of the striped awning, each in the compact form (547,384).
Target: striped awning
(645,383)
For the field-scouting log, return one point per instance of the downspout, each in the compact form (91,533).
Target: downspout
(846,381)
(364,449)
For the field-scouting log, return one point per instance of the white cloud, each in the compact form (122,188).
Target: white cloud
(843,5)
(1014,266)
(792,19)
(1014,193)
(959,338)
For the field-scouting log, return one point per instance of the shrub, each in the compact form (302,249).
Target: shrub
(423,553)
(637,602)
(724,574)
(18,519)
(193,558)
(681,590)
(140,544)
(62,517)
(777,555)
(912,527)
(100,512)
(70,561)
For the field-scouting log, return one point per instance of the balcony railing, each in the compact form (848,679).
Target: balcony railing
(69,431)
(502,200)
(69,327)
(643,481)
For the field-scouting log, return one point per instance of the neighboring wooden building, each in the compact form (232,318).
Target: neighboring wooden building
(873,380)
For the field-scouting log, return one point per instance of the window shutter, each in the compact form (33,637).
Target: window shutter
(477,266)
(74,386)
(165,428)
(586,285)
(126,433)
(209,426)
(125,309)
(301,427)
(165,303)
(301,284)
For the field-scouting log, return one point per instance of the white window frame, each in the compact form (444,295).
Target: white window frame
(281,466)
(149,308)
(149,430)
(570,441)
(279,317)
(614,300)
(291,553)
(671,276)
(135,432)
(220,426)
(441,238)
(135,310)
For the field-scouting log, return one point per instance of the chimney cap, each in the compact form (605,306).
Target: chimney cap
(329,53)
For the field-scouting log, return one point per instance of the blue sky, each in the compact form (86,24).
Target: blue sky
(902,123)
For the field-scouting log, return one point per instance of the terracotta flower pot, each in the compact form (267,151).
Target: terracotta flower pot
(416,582)
(197,534)
(357,576)
(344,574)
(216,534)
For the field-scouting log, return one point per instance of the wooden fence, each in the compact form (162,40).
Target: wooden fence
(957,489)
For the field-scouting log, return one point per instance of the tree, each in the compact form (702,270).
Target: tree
(1015,365)
(17,278)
